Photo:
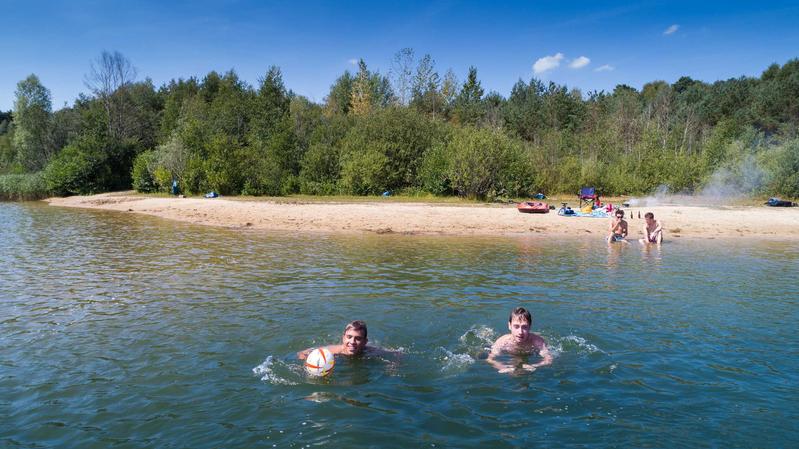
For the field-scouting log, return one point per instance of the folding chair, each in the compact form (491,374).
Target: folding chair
(588,196)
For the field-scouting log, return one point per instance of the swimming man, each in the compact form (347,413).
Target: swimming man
(353,343)
(653,232)
(520,341)
(618,228)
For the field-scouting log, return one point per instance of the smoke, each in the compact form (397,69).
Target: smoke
(725,186)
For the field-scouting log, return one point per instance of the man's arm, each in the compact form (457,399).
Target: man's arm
(546,359)
(496,350)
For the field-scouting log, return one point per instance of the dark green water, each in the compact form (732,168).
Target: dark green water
(118,330)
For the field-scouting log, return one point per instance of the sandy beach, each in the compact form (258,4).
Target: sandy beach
(441,219)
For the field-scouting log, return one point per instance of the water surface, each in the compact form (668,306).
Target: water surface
(119,330)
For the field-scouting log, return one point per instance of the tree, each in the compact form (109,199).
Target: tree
(449,91)
(32,120)
(401,73)
(361,101)
(425,95)
(108,75)
(340,96)
(469,108)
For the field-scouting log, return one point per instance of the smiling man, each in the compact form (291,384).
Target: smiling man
(353,342)
(519,342)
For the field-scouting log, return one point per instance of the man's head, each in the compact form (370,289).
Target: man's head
(519,323)
(354,338)
(619,214)
(650,217)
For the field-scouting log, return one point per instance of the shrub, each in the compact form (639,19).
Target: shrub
(80,168)
(143,179)
(488,163)
(23,187)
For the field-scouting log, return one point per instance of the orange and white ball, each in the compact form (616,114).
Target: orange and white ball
(320,362)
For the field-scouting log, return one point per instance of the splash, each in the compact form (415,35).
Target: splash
(573,343)
(453,363)
(268,372)
(478,337)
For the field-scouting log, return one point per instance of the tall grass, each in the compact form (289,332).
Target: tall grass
(23,187)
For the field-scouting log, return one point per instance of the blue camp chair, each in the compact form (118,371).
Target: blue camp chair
(587,196)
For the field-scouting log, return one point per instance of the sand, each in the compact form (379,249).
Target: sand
(386,217)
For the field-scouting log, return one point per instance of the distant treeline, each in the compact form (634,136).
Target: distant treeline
(410,131)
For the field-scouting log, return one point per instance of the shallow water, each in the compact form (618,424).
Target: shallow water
(119,330)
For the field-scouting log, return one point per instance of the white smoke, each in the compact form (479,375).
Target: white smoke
(725,186)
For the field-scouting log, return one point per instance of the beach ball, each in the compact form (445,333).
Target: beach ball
(320,362)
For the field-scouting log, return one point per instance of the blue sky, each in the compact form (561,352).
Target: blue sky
(591,45)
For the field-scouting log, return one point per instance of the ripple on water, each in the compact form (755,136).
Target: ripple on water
(127,330)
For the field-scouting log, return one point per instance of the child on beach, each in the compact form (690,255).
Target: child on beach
(618,228)
(520,341)
(653,231)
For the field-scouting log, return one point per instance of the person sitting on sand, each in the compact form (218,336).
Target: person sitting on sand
(520,341)
(653,231)
(618,227)
(353,343)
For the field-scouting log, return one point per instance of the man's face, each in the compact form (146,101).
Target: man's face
(649,221)
(353,341)
(519,328)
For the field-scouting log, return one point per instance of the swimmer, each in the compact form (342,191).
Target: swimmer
(520,341)
(353,343)
(653,231)
(618,228)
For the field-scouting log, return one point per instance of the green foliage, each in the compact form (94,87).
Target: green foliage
(468,108)
(23,187)
(487,163)
(143,175)
(220,133)
(80,168)
(784,169)
(32,116)
(383,150)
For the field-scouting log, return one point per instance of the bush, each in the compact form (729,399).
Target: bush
(23,187)
(384,150)
(487,163)
(143,179)
(80,168)
(785,170)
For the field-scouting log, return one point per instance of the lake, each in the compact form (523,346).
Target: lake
(126,331)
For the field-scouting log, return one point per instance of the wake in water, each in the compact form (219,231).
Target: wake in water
(472,346)
(278,372)
(476,342)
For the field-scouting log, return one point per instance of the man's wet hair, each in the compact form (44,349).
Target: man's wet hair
(619,212)
(357,325)
(521,312)
(649,215)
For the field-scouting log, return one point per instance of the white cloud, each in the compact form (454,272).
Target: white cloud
(547,63)
(671,30)
(604,68)
(580,62)
(353,61)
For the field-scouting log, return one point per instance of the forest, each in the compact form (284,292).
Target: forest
(409,131)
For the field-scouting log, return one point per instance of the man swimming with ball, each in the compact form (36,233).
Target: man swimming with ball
(520,341)
(353,343)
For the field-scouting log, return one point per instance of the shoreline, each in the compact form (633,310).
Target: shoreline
(420,218)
